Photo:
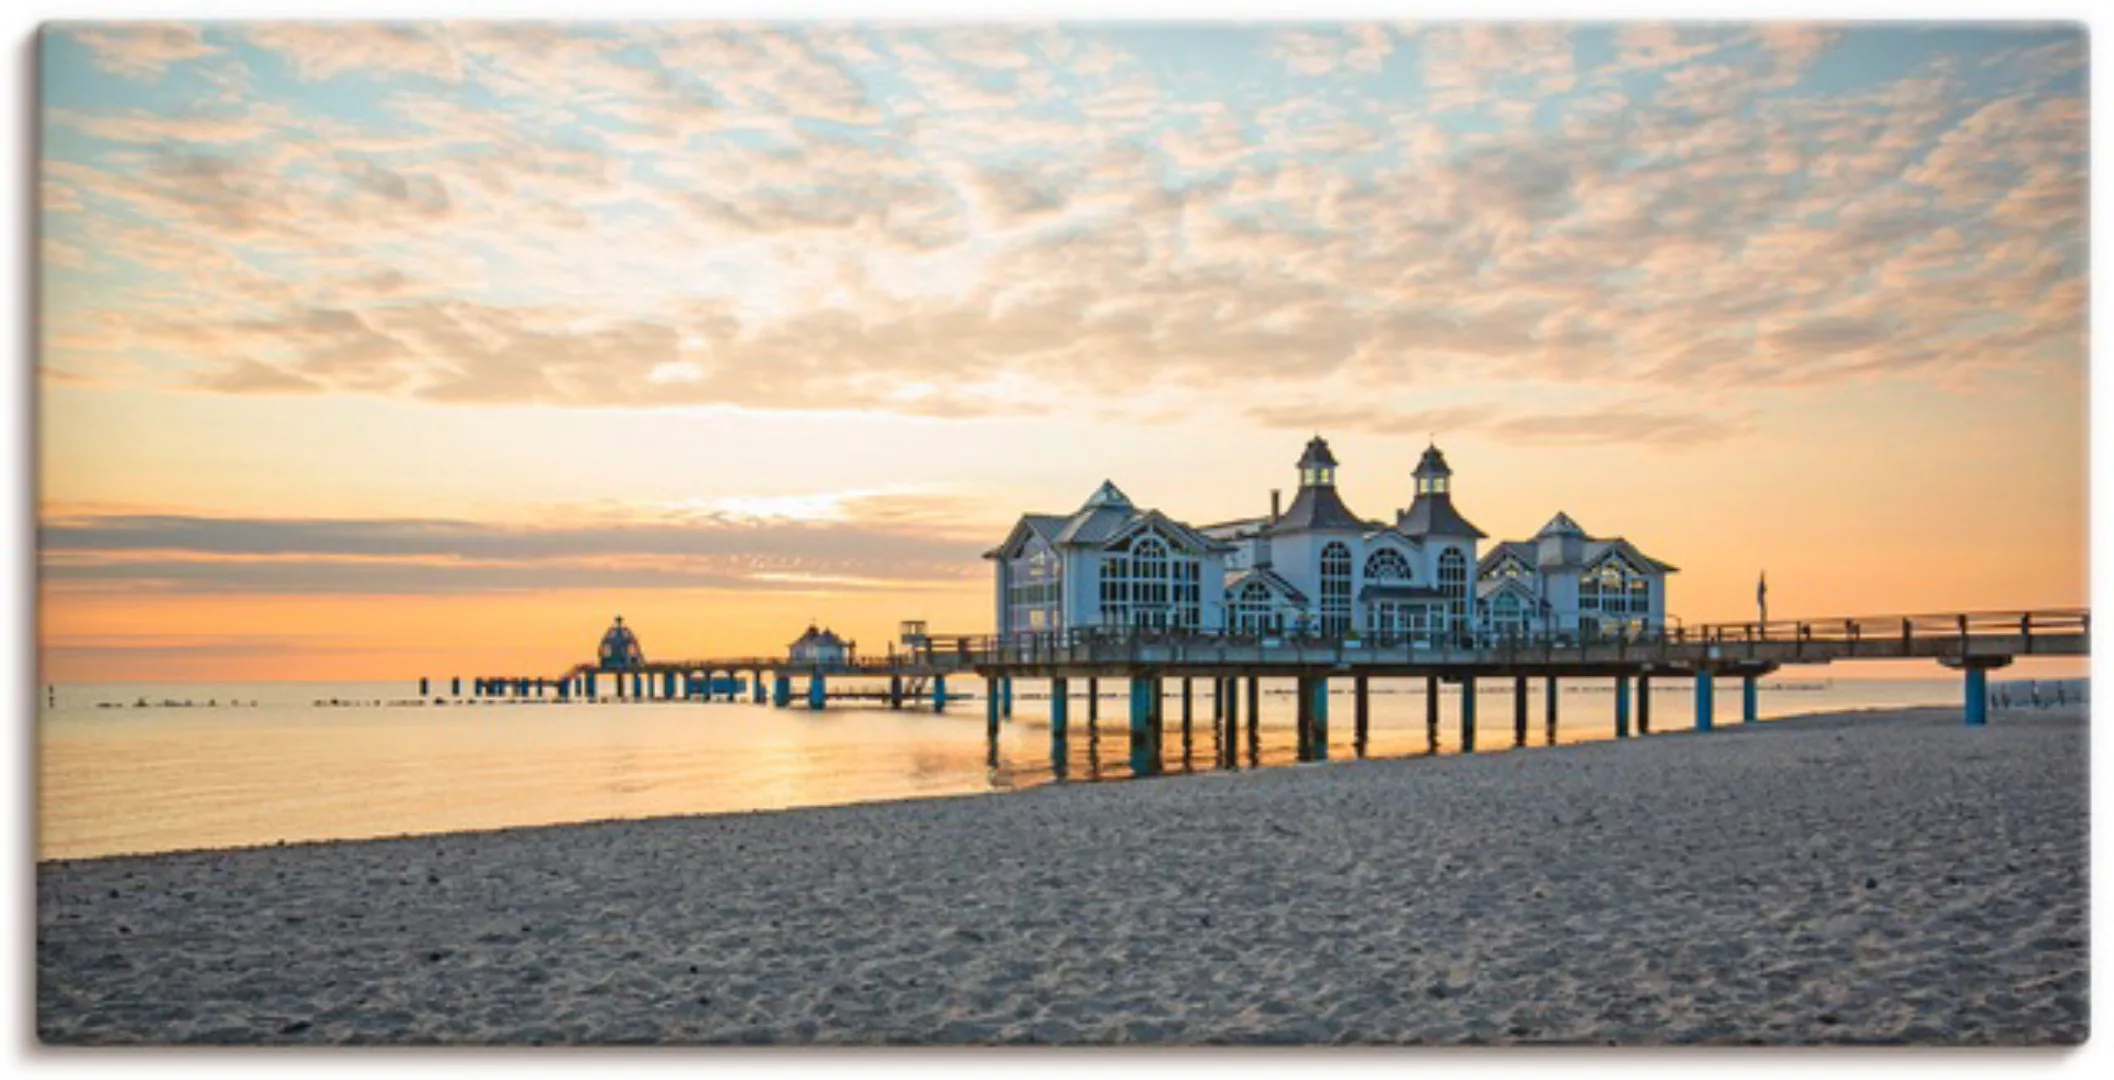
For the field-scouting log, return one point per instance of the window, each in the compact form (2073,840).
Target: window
(1152,586)
(1335,590)
(1453,584)
(1035,590)
(1252,612)
(1614,597)
(1508,615)
(1386,564)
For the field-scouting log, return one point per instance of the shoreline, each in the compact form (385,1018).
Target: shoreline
(1494,749)
(1915,882)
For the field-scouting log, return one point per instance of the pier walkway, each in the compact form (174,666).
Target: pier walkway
(1974,643)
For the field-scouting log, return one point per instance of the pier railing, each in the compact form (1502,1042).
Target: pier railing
(1955,636)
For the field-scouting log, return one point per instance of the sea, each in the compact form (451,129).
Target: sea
(131,768)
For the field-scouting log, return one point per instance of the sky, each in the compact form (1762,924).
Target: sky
(377,351)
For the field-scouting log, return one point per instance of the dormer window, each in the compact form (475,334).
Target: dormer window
(1318,476)
(1435,484)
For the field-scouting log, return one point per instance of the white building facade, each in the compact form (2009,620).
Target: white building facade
(1316,569)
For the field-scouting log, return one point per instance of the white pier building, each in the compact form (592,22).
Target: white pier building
(1317,569)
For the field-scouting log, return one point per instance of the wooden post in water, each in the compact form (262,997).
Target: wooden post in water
(1362,708)
(993,691)
(1230,686)
(1468,714)
(1749,710)
(1254,719)
(939,693)
(1431,714)
(1705,691)
(817,691)
(1186,706)
(1303,716)
(1318,719)
(1644,704)
(1519,710)
(1060,708)
(1142,692)
(1622,706)
(1552,689)
(1093,700)
(1005,696)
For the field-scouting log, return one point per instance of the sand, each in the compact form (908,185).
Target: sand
(1894,878)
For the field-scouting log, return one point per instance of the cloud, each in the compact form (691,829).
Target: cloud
(927,222)
(139,52)
(890,543)
(1624,423)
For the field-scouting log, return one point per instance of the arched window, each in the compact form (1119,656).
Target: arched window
(1251,610)
(1386,564)
(1453,584)
(1152,585)
(1335,590)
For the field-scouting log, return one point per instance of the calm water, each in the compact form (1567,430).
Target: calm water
(115,777)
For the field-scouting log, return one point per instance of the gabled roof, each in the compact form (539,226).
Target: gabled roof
(1317,508)
(1484,590)
(1596,550)
(1434,515)
(1045,526)
(1523,550)
(1180,533)
(1269,578)
(1560,525)
(1108,494)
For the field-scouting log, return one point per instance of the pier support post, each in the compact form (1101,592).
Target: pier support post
(1519,710)
(1142,693)
(455,686)
(1468,714)
(1750,698)
(1318,718)
(1302,718)
(1362,713)
(756,685)
(1976,670)
(1005,696)
(668,684)
(1230,688)
(1093,699)
(895,691)
(1622,706)
(590,686)
(638,684)
(1705,690)
(1060,708)
(565,689)
(1431,714)
(817,691)
(1644,704)
(1255,718)
(1188,704)
(782,690)
(939,693)
(422,686)
(994,692)
(1549,705)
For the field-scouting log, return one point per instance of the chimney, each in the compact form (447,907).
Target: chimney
(1276,504)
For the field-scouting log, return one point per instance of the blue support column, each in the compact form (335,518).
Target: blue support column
(590,686)
(756,685)
(1750,711)
(817,691)
(455,686)
(939,693)
(1468,715)
(993,705)
(638,684)
(1142,692)
(895,691)
(668,684)
(1060,708)
(1622,706)
(1977,696)
(782,690)
(1318,718)
(1005,696)
(565,689)
(1706,688)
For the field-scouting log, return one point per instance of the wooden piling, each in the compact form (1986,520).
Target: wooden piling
(1519,710)
(1431,714)
(1362,707)
(1644,704)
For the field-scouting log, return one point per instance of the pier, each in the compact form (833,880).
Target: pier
(1184,665)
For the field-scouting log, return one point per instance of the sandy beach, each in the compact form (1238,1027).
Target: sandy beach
(1873,878)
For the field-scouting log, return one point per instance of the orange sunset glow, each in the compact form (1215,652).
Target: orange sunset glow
(384,351)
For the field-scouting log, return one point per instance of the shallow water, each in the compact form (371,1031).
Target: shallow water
(118,777)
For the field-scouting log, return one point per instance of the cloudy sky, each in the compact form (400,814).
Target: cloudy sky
(372,351)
